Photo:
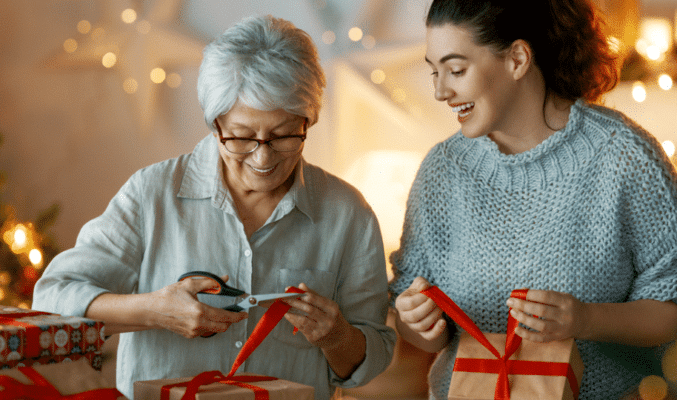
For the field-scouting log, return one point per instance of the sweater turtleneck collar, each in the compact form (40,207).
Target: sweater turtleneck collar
(560,155)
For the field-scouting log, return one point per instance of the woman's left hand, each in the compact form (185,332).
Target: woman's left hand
(553,315)
(322,322)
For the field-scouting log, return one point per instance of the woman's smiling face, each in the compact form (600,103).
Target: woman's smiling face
(470,78)
(263,170)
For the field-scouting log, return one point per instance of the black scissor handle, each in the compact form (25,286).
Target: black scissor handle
(223,289)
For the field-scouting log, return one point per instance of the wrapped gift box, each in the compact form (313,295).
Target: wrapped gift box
(30,337)
(526,381)
(277,389)
(68,378)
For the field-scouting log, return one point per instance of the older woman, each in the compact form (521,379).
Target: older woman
(246,206)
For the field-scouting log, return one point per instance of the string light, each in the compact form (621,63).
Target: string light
(130,85)
(158,75)
(109,59)
(355,34)
(665,82)
(128,16)
(35,257)
(639,92)
(70,45)
(378,76)
(84,26)
(669,148)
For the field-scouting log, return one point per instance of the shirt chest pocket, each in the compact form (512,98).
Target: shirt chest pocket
(322,282)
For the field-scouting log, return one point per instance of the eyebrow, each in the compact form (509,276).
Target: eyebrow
(448,57)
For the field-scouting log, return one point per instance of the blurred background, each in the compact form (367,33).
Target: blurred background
(93,90)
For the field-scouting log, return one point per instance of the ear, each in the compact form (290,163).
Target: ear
(217,134)
(519,59)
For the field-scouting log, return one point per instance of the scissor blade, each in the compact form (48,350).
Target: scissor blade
(265,300)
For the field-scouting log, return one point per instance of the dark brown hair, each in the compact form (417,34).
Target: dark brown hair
(566,36)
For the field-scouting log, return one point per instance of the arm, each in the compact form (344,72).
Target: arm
(174,308)
(419,320)
(643,323)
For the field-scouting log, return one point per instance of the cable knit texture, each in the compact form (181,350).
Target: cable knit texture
(590,211)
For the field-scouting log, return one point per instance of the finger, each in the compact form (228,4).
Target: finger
(436,330)
(197,284)
(532,336)
(408,301)
(225,278)
(535,309)
(544,296)
(427,322)
(527,320)
(220,315)
(419,313)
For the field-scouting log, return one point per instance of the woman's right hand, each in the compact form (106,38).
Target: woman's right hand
(176,308)
(420,314)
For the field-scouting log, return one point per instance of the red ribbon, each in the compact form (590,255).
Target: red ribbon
(32,332)
(269,320)
(501,365)
(43,390)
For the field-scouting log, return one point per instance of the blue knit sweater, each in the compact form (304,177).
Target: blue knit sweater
(591,211)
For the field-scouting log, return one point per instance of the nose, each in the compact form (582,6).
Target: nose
(262,154)
(442,89)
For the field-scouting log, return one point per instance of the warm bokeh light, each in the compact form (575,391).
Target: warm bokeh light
(355,34)
(655,36)
(109,59)
(70,45)
(653,388)
(3,294)
(328,37)
(399,95)
(378,76)
(669,148)
(35,257)
(369,42)
(130,85)
(173,80)
(158,75)
(20,236)
(669,363)
(128,16)
(665,82)
(84,26)
(638,92)
(5,278)
(143,26)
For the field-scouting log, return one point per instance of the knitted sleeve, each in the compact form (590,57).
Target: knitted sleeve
(649,212)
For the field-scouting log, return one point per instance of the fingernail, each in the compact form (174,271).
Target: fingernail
(510,302)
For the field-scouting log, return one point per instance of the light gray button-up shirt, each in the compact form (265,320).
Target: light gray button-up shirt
(178,216)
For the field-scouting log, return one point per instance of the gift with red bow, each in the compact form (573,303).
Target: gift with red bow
(215,385)
(503,366)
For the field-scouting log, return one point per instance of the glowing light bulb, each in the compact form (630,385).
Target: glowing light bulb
(158,75)
(638,92)
(35,257)
(378,76)
(668,147)
(653,53)
(328,37)
(128,16)
(109,59)
(355,34)
(665,82)
(20,236)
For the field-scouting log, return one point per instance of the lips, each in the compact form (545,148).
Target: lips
(463,110)
(263,171)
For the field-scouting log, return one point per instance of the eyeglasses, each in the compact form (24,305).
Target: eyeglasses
(280,144)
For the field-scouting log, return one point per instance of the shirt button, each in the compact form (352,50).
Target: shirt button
(238,344)
(247,253)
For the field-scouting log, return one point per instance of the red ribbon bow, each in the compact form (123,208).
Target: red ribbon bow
(43,390)
(269,320)
(501,365)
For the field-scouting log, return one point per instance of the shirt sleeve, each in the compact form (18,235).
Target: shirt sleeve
(650,219)
(106,257)
(363,299)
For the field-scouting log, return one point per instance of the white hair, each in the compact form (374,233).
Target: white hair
(266,63)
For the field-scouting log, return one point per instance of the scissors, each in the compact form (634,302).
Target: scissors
(246,301)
